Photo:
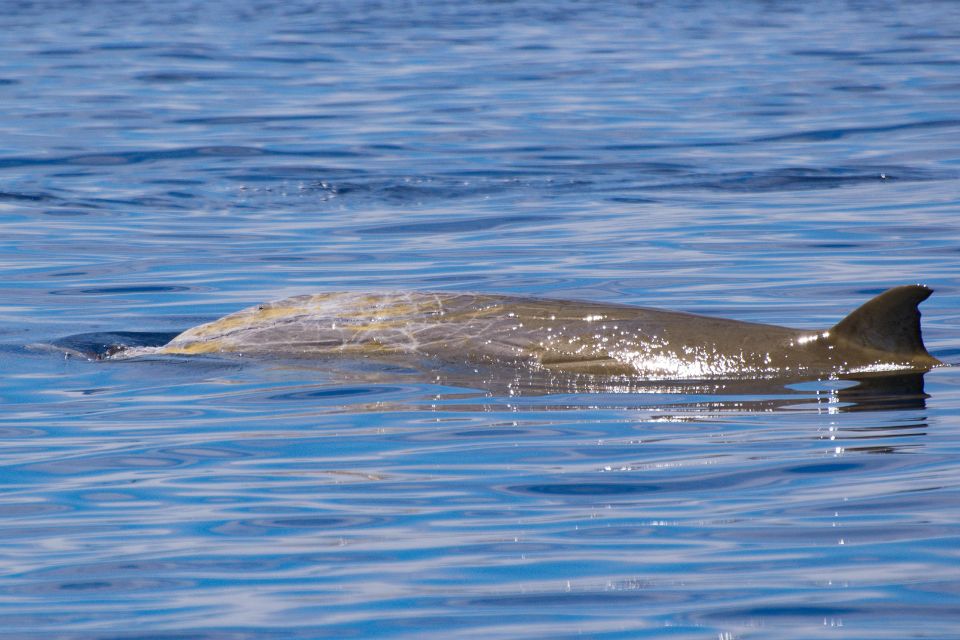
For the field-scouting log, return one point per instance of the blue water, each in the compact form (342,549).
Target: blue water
(162,164)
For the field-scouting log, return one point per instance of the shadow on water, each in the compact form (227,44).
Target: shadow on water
(848,393)
(885,393)
(863,392)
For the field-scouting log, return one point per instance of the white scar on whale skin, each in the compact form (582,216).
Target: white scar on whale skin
(574,337)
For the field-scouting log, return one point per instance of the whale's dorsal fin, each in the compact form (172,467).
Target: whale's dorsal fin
(889,323)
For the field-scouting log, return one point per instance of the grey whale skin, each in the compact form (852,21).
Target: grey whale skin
(883,335)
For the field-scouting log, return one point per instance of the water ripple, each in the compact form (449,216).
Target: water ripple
(160,169)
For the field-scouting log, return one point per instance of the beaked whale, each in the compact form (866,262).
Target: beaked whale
(882,335)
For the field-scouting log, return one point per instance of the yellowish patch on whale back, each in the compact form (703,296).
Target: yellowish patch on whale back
(193,348)
(242,320)
(254,318)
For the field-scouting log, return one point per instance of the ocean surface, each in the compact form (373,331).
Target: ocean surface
(163,164)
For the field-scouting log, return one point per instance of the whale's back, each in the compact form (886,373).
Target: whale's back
(570,336)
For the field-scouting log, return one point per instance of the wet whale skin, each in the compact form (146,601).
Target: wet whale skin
(568,336)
